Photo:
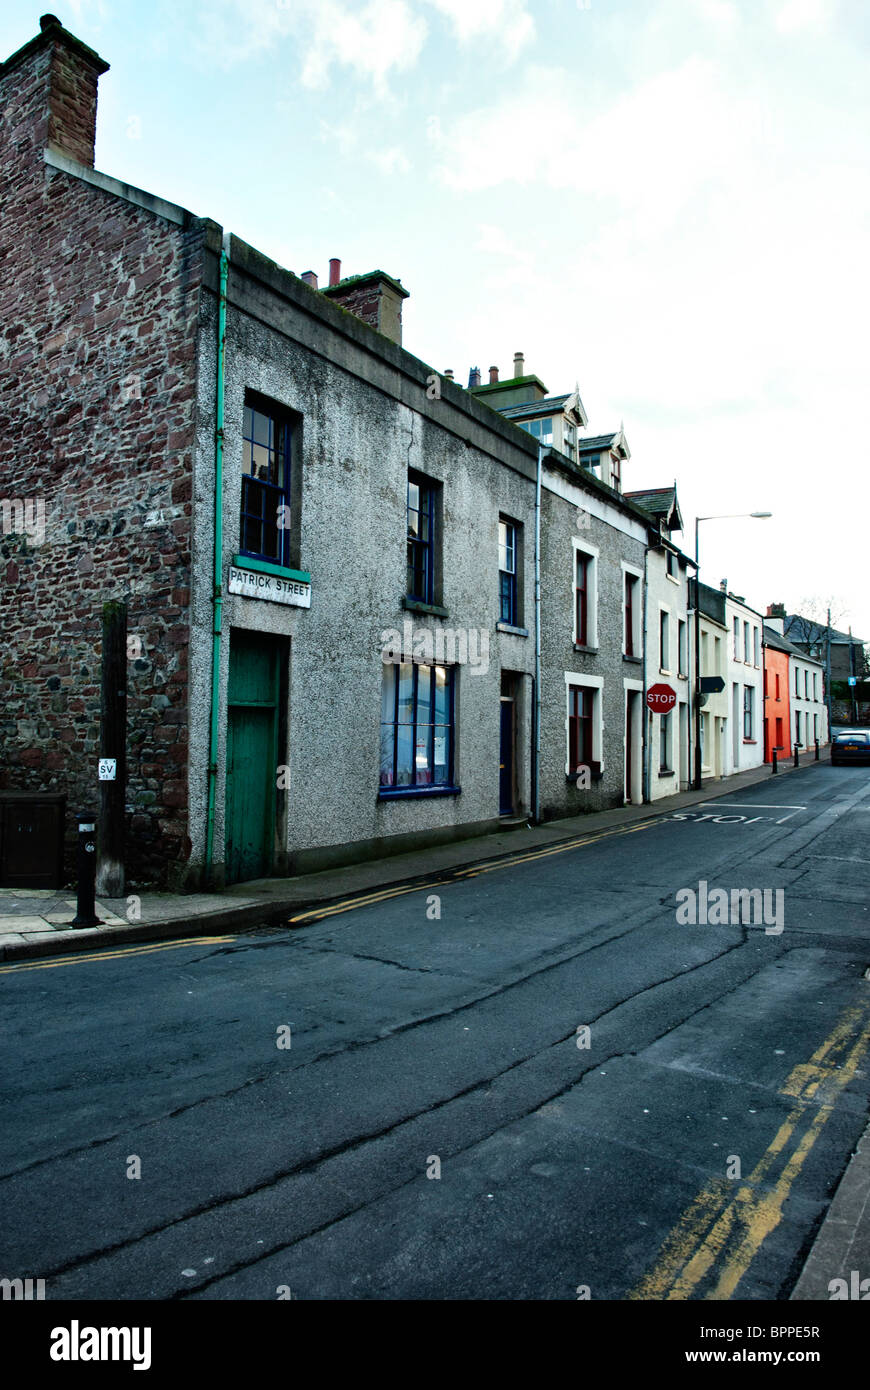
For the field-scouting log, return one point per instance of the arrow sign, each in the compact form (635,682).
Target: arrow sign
(712,685)
(661,698)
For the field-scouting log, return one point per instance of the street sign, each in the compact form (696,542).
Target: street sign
(108,769)
(712,685)
(853,680)
(661,698)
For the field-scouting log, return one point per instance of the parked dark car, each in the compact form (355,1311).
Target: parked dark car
(851,746)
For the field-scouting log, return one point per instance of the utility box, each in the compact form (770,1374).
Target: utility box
(31,839)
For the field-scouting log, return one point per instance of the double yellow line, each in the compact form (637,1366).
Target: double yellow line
(346,905)
(382,895)
(722,1230)
(145,950)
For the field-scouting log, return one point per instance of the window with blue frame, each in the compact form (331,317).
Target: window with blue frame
(507,572)
(417,728)
(421,539)
(266,456)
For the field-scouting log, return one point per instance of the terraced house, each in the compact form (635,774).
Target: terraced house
(307,528)
(325,553)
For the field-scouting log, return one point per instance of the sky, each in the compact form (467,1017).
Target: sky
(665,201)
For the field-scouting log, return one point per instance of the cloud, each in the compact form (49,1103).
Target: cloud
(796,15)
(371,40)
(722,14)
(392,161)
(648,150)
(507,22)
(381,37)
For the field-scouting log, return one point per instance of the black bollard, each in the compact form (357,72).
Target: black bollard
(817,750)
(86,865)
(796,755)
(773,766)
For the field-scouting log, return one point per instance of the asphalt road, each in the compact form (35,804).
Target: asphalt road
(437,1127)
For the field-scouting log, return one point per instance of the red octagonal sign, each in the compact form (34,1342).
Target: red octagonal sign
(661,698)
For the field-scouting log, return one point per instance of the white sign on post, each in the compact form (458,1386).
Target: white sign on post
(108,769)
(275,588)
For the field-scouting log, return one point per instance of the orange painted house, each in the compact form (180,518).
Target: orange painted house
(777,718)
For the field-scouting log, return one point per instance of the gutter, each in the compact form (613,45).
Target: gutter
(217,596)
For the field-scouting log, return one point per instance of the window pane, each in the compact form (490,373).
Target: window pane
(441,755)
(442,696)
(406,693)
(270,540)
(388,731)
(262,432)
(424,695)
(404,754)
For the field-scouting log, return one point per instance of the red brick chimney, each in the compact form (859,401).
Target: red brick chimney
(375,298)
(48,94)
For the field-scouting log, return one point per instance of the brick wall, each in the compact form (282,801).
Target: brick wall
(98,305)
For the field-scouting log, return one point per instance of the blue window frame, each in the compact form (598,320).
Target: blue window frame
(265,514)
(421,539)
(417,729)
(507,573)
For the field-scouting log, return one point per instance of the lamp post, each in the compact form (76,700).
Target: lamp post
(729,516)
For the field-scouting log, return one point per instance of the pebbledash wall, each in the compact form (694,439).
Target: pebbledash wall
(365,413)
(667,591)
(99,304)
(581,515)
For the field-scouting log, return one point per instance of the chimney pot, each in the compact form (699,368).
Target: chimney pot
(46,21)
(519,369)
(449,373)
(310,278)
(493,376)
(334,271)
(474,377)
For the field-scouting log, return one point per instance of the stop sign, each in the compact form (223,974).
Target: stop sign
(661,698)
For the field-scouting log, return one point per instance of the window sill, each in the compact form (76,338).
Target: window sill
(591,651)
(663,672)
(635,660)
(672,578)
(414,793)
(514,631)
(666,772)
(414,605)
(750,740)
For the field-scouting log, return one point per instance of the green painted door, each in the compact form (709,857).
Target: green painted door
(252,756)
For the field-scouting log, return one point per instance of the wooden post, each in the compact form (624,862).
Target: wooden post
(111,878)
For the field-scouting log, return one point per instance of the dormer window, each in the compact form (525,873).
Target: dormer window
(615,478)
(569,439)
(541,429)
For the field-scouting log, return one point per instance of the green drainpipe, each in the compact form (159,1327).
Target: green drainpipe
(218,556)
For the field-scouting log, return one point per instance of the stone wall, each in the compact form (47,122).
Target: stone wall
(99,298)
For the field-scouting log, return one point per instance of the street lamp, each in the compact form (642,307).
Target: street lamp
(728,516)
